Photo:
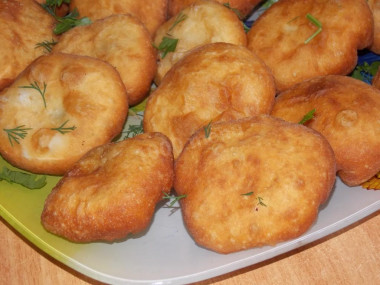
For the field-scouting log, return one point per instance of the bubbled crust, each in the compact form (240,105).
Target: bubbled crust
(347,114)
(111,191)
(151,13)
(23,24)
(215,82)
(206,22)
(86,92)
(124,42)
(289,167)
(244,7)
(278,37)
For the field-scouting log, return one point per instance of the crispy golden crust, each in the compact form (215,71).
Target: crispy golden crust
(347,114)
(376,80)
(375,8)
(151,13)
(205,22)
(215,82)
(279,36)
(81,92)
(253,182)
(244,7)
(23,24)
(112,191)
(122,41)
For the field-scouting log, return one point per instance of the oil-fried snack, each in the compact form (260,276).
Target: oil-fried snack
(57,109)
(375,8)
(215,82)
(201,23)
(253,182)
(151,13)
(300,40)
(346,113)
(111,191)
(23,25)
(124,42)
(242,7)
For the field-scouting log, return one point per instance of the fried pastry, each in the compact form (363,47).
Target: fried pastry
(124,42)
(347,114)
(300,40)
(215,82)
(253,182)
(23,25)
(201,23)
(151,13)
(243,7)
(375,8)
(57,109)
(111,191)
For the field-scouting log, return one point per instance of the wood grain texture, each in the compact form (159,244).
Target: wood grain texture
(350,256)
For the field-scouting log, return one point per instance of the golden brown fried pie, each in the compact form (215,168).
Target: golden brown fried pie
(287,40)
(57,109)
(201,23)
(243,7)
(23,24)
(151,13)
(347,114)
(253,182)
(124,42)
(111,191)
(376,80)
(215,82)
(375,8)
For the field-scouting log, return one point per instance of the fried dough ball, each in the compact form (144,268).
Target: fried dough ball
(244,7)
(215,82)
(201,23)
(253,182)
(23,24)
(375,8)
(151,13)
(57,109)
(111,191)
(347,114)
(287,41)
(124,42)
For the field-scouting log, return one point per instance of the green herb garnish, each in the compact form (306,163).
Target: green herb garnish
(17,133)
(63,130)
(35,85)
(307,117)
(207,130)
(173,198)
(67,22)
(261,201)
(317,24)
(247,194)
(167,45)
(365,71)
(48,46)
(31,181)
(180,17)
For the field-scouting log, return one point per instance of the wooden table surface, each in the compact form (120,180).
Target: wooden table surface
(350,256)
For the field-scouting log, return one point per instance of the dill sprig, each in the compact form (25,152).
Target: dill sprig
(317,23)
(180,17)
(173,198)
(17,133)
(35,86)
(207,130)
(47,45)
(63,130)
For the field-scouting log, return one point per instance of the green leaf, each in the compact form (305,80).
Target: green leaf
(309,115)
(28,180)
(167,45)
(317,24)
